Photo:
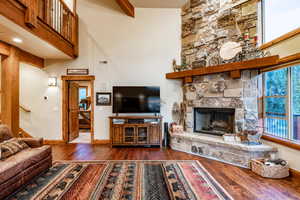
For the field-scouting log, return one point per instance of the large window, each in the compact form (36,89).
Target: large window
(282,103)
(280,17)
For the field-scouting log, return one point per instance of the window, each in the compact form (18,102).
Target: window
(282,103)
(280,17)
(83,93)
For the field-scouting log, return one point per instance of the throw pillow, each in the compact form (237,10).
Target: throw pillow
(11,147)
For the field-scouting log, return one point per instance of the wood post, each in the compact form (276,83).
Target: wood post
(10,90)
(31,13)
(235,74)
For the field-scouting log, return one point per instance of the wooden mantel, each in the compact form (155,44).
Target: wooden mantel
(234,68)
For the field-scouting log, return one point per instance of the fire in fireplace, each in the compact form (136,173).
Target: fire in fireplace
(214,121)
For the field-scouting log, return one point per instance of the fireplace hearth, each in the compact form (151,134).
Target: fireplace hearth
(214,121)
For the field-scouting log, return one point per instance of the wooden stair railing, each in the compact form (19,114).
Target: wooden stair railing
(24,134)
(25,109)
(57,15)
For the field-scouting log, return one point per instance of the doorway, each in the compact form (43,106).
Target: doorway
(78,109)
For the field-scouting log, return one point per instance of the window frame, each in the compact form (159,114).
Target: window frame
(262,29)
(289,142)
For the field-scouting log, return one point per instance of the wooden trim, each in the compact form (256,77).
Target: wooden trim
(47,142)
(290,58)
(235,74)
(284,62)
(282,141)
(24,56)
(10,72)
(4,49)
(31,59)
(127,7)
(101,142)
(280,39)
(188,79)
(258,63)
(24,134)
(295,173)
(65,111)
(78,78)
(92,110)
(31,13)
(65,125)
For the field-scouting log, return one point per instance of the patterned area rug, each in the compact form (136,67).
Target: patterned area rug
(124,180)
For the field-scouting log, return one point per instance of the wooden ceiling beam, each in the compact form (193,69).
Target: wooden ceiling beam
(127,7)
(31,59)
(23,56)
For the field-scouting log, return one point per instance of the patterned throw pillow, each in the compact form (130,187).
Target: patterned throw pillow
(11,147)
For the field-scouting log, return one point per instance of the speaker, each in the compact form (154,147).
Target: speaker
(166,142)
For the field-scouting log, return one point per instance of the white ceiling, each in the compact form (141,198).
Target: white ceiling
(31,43)
(158,3)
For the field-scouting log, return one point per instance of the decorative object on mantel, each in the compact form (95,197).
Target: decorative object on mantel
(178,68)
(270,168)
(254,64)
(77,71)
(229,50)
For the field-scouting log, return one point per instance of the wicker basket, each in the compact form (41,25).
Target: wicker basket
(276,171)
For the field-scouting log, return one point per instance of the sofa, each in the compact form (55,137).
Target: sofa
(21,167)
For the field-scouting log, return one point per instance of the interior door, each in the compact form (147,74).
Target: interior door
(73,111)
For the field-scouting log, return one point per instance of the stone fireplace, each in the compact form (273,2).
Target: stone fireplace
(214,121)
(215,99)
(216,104)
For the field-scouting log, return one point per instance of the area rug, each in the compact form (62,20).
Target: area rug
(124,180)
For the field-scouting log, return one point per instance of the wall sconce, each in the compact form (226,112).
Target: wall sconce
(52,82)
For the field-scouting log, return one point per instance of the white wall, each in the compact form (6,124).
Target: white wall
(288,154)
(40,122)
(286,48)
(139,51)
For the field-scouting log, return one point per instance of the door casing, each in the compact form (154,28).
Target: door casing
(65,104)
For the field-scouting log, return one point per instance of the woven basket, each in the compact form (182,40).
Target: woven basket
(276,171)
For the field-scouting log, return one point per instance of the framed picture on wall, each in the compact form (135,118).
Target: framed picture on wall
(103,98)
(77,71)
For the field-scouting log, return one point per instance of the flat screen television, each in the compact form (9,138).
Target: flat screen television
(136,99)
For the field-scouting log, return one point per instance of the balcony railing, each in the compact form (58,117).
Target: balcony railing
(57,15)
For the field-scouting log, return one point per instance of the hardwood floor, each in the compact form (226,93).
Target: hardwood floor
(242,184)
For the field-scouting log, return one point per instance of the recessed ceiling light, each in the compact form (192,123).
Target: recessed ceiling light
(17,40)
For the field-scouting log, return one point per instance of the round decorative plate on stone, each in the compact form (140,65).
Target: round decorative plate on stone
(229,50)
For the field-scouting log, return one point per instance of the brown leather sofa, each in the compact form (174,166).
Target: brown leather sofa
(18,169)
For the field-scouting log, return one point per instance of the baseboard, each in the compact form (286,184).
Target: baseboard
(295,173)
(54,142)
(101,142)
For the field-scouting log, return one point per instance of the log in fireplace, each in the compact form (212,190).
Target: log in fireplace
(214,121)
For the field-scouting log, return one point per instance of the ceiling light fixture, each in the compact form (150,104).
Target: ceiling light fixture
(17,40)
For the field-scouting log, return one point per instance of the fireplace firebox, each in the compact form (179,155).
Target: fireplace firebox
(214,121)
